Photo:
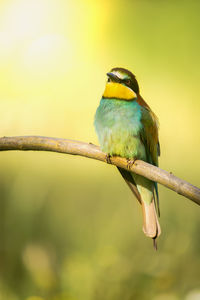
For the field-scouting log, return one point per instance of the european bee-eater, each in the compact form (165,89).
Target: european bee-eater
(127,127)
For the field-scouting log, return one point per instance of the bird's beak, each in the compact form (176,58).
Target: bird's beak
(113,77)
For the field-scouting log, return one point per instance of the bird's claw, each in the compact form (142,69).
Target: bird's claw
(108,160)
(130,163)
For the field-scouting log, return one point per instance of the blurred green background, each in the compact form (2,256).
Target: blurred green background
(69,227)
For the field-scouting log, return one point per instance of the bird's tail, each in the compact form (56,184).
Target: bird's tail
(151,226)
(143,189)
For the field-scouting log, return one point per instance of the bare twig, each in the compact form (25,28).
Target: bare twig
(40,143)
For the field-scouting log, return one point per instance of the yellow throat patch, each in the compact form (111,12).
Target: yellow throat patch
(119,91)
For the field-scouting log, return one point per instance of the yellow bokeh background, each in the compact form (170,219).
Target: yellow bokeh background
(69,227)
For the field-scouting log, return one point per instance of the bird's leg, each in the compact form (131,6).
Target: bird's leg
(108,160)
(130,162)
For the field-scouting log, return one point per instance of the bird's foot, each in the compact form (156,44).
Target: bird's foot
(130,163)
(108,158)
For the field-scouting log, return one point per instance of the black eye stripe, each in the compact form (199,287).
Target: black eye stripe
(126,81)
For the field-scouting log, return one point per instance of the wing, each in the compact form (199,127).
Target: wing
(149,134)
(130,182)
(149,137)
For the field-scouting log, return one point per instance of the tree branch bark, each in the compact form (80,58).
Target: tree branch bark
(40,143)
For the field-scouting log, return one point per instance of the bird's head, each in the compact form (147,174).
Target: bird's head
(121,84)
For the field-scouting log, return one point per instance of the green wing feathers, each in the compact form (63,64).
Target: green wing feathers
(149,137)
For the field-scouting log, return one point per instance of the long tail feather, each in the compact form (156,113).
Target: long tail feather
(151,226)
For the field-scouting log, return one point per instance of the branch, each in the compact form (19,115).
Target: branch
(40,143)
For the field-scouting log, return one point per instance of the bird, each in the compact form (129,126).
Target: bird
(127,127)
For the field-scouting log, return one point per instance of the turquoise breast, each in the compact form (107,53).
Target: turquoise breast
(118,126)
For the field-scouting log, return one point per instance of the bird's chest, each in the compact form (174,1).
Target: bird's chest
(118,125)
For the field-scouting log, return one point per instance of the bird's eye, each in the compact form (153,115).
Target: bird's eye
(128,81)
(109,80)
